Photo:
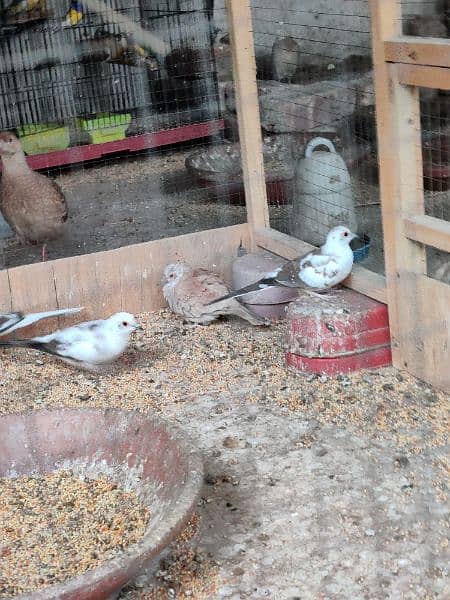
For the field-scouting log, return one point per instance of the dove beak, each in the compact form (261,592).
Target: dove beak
(138,328)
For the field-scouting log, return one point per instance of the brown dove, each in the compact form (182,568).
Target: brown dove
(33,205)
(188,292)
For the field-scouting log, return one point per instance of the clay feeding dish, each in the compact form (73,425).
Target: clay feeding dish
(134,450)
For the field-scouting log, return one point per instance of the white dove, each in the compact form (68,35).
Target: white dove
(17,320)
(317,271)
(90,345)
(191,293)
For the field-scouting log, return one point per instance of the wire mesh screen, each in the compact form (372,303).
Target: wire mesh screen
(119,102)
(317,101)
(432,19)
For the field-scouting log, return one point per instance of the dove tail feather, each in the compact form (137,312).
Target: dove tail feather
(34,345)
(248,315)
(253,287)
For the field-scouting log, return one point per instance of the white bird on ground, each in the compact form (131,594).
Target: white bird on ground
(191,294)
(316,271)
(90,345)
(17,320)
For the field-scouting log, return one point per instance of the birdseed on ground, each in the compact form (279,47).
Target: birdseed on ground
(198,378)
(57,526)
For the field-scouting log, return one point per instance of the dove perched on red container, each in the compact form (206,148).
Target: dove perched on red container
(191,294)
(316,271)
(33,205)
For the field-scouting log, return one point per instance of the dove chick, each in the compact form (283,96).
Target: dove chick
(316,271)
(191,294)
(90,345)
(32,204)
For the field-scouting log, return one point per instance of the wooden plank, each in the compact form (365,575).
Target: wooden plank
(32,287)
(422,76)
(5,295)
(410,50)
(362,280)
(247,105)
(434,332)
(399,147)
(428,230)
(122,279)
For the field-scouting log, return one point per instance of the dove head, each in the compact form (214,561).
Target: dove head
(124,323)
(339,237)
(173,272)
(9,144)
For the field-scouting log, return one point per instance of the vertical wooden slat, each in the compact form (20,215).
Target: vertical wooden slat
(70,288)
(5,296)
(244,70)
(399,148)
(32,287)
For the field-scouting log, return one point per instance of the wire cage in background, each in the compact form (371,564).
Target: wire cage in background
(122,107)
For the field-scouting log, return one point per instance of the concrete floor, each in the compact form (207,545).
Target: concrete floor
(315,512)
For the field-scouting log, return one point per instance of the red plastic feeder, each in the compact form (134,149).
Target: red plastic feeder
(337,333)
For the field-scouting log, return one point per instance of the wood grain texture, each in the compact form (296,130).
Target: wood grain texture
(5,295)
(247,106)
(123,279)
(418,306)
(402,49)
(434,332)
(428,230)
(424,76)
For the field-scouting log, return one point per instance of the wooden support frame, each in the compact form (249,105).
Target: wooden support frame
(433,52)
(247,106)
(418,306)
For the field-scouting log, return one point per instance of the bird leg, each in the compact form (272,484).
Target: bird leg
(44,252)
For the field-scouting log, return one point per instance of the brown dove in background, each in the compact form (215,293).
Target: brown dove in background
(32,204)
(188,292)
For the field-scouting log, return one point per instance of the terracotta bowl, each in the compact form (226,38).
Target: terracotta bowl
(136,451)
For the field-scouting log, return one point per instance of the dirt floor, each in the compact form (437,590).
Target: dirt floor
(316,488)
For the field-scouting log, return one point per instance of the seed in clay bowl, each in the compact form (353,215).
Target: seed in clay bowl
(88,499)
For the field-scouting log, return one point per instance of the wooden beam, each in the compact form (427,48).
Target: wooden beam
(434,332)
(428,230)
(423,76)
(401,184)
(433,52)
(247,105)
(362,280)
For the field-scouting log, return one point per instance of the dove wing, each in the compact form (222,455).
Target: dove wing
(7,320)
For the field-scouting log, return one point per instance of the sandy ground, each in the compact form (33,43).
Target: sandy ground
(316,488)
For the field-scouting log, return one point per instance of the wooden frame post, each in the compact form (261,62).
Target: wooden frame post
(418,305)
(247,105)
(399,151)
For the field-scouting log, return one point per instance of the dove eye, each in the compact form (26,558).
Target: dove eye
(345,233)
(124,323)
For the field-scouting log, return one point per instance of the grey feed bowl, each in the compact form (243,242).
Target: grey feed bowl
(137,451)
